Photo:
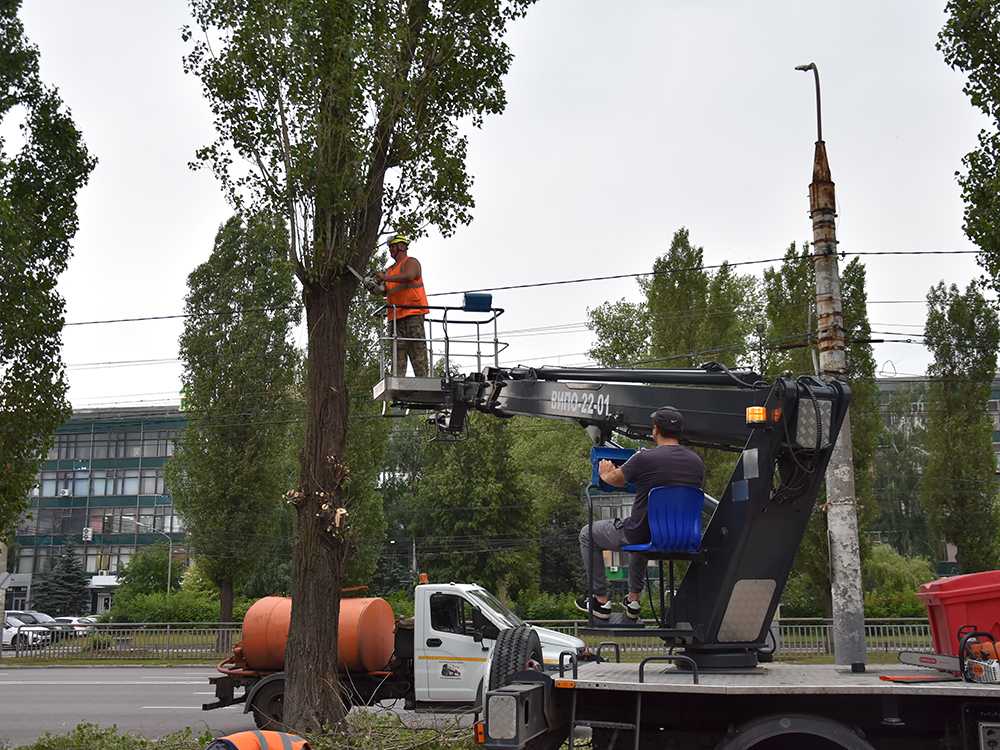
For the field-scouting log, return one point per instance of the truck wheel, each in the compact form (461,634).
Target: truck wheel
(794,731)
(516,650)
(268,706)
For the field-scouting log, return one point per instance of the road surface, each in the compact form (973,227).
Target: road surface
(151,701)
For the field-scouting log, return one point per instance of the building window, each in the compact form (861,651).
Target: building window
(26,560)
(151,482)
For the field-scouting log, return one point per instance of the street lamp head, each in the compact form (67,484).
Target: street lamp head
(810,66)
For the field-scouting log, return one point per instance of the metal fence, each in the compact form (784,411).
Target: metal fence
(796,637)
(210,641)
(152,641)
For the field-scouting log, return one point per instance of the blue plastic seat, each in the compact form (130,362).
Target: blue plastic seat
(674,513)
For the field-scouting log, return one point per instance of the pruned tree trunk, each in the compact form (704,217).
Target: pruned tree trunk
(312,693)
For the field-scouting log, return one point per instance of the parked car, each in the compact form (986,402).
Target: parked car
(81,626)
(32,617)
(17,634)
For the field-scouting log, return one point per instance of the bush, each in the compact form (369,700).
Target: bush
(178,606)
(891,581)
(401,602)
(800,599)
(92,737)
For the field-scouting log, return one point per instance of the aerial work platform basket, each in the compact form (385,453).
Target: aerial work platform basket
(459,340)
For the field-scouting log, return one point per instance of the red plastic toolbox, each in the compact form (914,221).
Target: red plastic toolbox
(960,601)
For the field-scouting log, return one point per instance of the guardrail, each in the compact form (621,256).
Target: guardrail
(141,641)
(213,641)
(798,636)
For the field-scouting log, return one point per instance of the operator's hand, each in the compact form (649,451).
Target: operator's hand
(380,276)
(605,466)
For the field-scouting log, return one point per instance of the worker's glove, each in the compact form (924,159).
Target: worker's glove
(374,285)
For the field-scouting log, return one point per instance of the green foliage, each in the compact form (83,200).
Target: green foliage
(891,582)
(472,517)
(38,186)
(801,598)
(959,489)
(178,606)
(62,592)
(553,460)
(146,572)
(367,438)
(901,520)
(689,315)
(401,602)
(890,579)
(228,474)
(93,737)
(348,111)
(970,42)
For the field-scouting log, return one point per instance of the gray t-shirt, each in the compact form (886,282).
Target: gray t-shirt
(652,467)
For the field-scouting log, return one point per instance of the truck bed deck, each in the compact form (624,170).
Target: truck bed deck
(783,679)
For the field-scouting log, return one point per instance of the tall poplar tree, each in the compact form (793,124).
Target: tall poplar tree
(959,487)
(38,186)
(344,118)
(229,470)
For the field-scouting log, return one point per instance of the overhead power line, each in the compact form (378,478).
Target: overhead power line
(559,282)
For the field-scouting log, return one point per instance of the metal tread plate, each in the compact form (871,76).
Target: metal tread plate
(778,679)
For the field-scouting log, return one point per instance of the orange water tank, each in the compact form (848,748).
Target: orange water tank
(365,641)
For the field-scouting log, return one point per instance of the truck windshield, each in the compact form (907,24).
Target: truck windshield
(485,597)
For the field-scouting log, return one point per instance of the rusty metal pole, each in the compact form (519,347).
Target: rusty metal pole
(842,517)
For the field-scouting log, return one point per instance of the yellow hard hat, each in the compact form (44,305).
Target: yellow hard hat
(399,237)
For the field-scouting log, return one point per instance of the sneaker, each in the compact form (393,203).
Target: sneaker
(633,609)
(600,611)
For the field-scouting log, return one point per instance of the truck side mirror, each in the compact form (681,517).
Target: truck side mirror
(482,628)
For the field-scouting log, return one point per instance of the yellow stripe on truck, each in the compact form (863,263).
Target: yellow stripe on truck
(453,658)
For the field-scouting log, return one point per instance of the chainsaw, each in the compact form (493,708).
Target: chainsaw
(977,659)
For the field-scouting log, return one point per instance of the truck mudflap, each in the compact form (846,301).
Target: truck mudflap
(526,710)
(225,692)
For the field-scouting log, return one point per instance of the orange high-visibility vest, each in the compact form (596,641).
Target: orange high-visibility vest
(257,739)
(414,298)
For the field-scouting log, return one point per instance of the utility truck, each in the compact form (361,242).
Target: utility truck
(434,661)
(707,688)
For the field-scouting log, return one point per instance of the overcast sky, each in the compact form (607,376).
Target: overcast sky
(622,125)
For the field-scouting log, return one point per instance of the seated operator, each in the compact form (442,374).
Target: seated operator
(668,462)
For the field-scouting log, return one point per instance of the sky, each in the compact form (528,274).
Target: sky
(621,126)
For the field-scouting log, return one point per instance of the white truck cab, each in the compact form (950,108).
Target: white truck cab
(455,627)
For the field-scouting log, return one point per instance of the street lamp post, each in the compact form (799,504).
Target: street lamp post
(170,546)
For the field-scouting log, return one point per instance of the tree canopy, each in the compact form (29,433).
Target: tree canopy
(970,42)
(959,482)
(344,119)
(231,467)
(38,219)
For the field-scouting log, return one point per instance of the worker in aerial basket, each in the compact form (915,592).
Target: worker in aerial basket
(406,307)
(257,739)
(668,462)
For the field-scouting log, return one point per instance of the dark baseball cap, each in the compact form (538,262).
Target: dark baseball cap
(669,420)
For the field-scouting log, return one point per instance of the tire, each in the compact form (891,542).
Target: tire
(20,642)
(268,706)
(516,650)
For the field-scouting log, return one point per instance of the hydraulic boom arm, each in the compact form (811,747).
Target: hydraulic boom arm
(783,431)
